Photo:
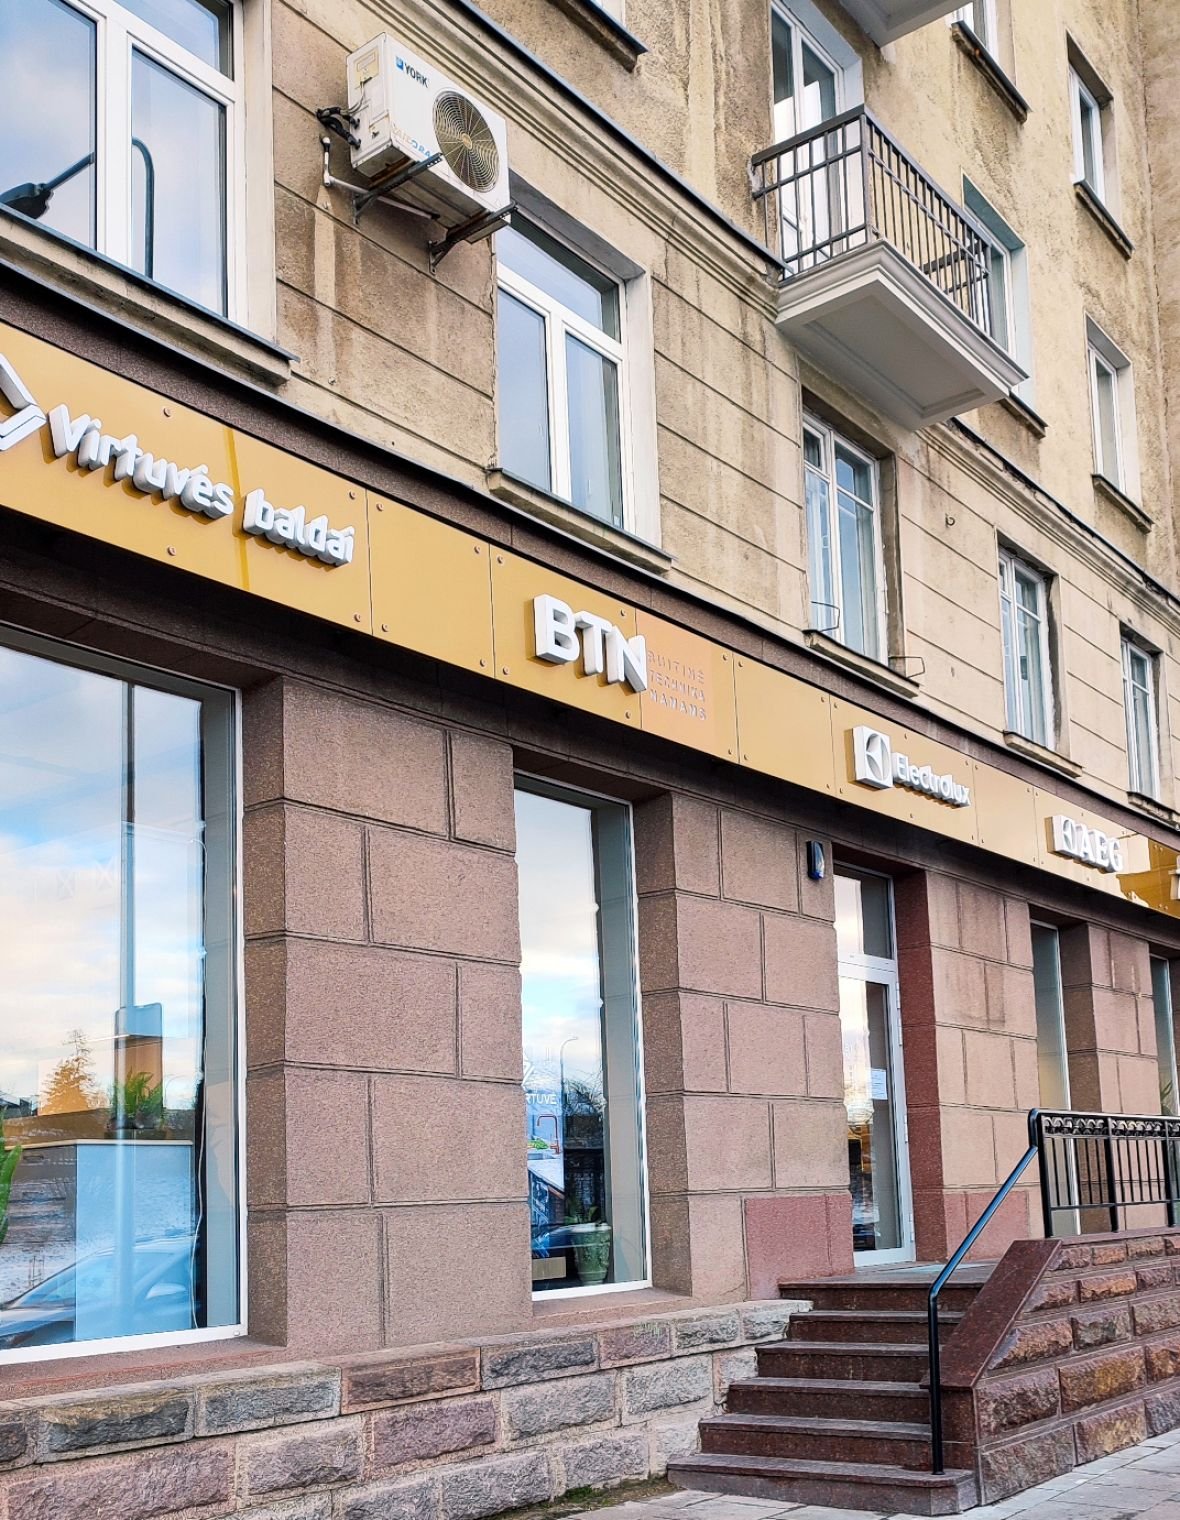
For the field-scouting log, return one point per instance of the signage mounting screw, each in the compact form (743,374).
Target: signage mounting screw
(167,411)
(384,627)
(483,664)
(503,670)
(352,497)
(171,550)
(381,506)
(356,617)
(627,713)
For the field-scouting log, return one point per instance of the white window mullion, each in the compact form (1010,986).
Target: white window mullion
(559,416)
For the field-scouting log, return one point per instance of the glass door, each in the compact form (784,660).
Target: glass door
(807,92)
(1053,1068)
(874,1083)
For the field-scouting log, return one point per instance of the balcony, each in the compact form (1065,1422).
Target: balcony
(887,279)
(887,20)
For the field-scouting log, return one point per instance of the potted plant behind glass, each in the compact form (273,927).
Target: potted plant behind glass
(590,1241)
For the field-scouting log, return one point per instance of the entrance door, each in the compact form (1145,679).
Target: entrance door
(1053,1068)
(874,1082)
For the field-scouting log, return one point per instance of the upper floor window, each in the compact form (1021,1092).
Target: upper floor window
(808,80)
(1139,700)
(1112,405)
(1007,284)
(561,372)
(120,126)
(1093,128)
(980,16)
(845,558)
(1024,624)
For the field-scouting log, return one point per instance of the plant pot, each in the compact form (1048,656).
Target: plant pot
(592,1255)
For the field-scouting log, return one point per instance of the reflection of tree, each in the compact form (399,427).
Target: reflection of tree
(71,1088)
(582,1113)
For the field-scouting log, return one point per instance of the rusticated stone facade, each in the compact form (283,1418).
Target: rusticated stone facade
(436,1433)
(1071,1352)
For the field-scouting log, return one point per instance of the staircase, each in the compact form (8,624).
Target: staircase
(838,1414)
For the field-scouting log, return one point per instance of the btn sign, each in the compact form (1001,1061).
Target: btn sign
(561,635)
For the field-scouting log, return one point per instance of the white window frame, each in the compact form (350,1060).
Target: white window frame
(1018,312)
(829,438)
(1143,772)
(981,17)
(234,947)
(808,24)
(1012,567)
(118,34)
(1081,94)
(1104,356)
(560,320)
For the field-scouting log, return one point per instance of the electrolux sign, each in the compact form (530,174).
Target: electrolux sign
(81,438)
(876,765)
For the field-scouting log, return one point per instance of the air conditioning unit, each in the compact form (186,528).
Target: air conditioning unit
(405,113)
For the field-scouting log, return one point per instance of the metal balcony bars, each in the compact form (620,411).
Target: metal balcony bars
(845,184)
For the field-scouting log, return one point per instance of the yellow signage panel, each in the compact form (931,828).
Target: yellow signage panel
(432,586)
(690,695)
(784,725)
(1007,821)
(516,585)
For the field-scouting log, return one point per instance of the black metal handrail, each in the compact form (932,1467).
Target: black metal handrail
(1093,1169)
(845,184)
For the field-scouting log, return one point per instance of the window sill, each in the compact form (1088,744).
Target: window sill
(552,509)
(1102,216)
(991,70)
(1024,414)
(1111,493)
(1153,806)
(872,670)
(606,31)
(80,272)
(1051,759)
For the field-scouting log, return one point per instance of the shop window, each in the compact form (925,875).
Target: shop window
(1007,285)
(121,128)
(1140,703)
(1165,1034)
(118,1072)
(582,1066)
(562,373)
(1024,623)
(1052,1054)
(1112,408)
(844,541)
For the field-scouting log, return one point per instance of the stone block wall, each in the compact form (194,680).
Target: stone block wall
(968,1010)
(446,1432)
(1070,1352)
(747,1132)
(1109,1021)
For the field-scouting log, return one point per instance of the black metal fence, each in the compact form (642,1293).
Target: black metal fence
(1098,1173)
(847,183)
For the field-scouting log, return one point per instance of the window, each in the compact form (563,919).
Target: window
(842,491)
(1112,409)
(139,155)
(561,373)
(808,87)
(980,16)
(118,1068)
(1165,1034)
(1024,624)
(582,1064)
(1007,285)
(1139,700)
(1090,113)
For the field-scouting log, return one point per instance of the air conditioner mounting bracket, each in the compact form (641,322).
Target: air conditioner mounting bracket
(470,231)
(379,190)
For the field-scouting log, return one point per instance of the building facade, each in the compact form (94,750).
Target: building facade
(577,741)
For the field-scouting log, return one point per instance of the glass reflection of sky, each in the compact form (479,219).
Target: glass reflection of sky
(47,109)
(562,993)
(61,806)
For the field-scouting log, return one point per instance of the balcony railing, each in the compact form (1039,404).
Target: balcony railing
(846,184)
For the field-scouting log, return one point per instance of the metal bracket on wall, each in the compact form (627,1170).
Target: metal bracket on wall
(470,231)
(379,190)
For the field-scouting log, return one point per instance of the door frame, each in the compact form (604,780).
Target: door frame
(884,972)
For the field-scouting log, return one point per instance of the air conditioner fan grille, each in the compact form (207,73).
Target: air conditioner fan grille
(466,141)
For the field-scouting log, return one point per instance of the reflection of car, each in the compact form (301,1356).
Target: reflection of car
(561,1237)
(161,1298)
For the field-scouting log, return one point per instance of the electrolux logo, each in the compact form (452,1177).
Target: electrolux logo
(415,74)
(875,765)
(194,489)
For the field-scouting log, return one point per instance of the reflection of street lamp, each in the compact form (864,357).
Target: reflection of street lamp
(149,208)
(32,200)
(561,1081)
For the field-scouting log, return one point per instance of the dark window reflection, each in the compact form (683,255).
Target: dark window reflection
(47,115)
(112,1057)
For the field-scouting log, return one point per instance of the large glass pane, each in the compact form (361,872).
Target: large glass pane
(560,273)
(203,27)
(998,292)
(784,78)
(1165,1035)
(870,1101)
(1052,1061)
(178,184)
(1106,419)
(864,917)
(819,89)
(1091,139)
(856,524)
(1032,676)
(524,391)
(47,115)
(596,463)
(581,1063)
(1140,699)
(825,611)
(116,1053)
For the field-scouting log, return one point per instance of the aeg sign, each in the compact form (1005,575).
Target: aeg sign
(875,765)
(1091,846)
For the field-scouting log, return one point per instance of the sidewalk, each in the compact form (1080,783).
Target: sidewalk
(1141,1483)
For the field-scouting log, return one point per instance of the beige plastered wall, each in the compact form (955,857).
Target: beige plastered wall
(409,360)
